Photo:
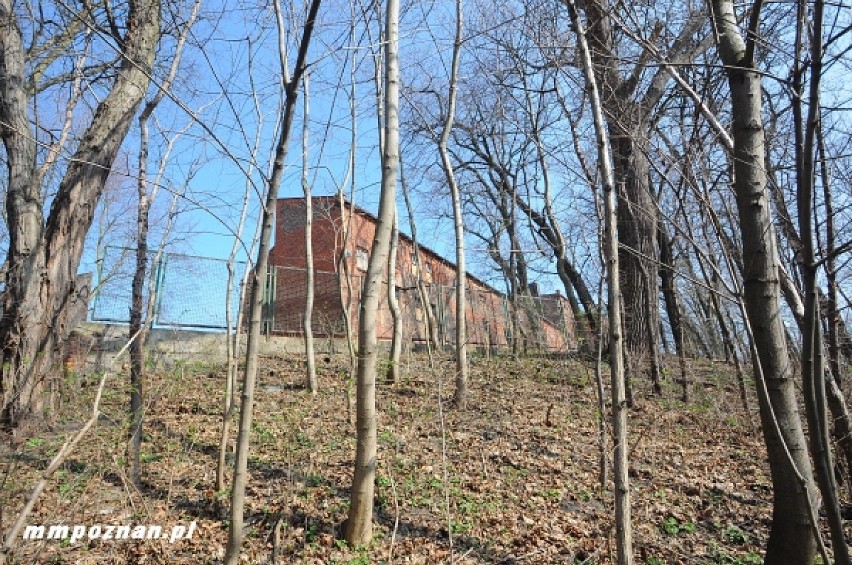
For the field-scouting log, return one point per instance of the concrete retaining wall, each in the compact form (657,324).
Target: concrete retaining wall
(93,346)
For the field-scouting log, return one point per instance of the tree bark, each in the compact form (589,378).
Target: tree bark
(791,539)
(137,347)
(460,395)
(43,256)
(358,529)
(307,324)
(623,524)
(259,277)
(627,122)
(629,116)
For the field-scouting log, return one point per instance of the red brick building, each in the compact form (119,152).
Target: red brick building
(488,312)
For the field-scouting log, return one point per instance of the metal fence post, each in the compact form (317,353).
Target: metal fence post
(268,306)
(158,286)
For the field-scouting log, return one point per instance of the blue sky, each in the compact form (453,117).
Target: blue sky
(233,87)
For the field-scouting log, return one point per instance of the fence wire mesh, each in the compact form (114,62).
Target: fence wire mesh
(493,321)
(188,291)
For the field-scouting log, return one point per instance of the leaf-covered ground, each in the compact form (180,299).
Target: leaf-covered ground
(514,478)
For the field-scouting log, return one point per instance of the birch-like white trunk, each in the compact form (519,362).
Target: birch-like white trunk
(307,326)
(623,524)
(358,529)
(461,393)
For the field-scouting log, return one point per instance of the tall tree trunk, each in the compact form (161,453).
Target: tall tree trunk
(627,122)
(629,116)
(392,372)
(137,346)
(460,395)
(791,539)
(637,229)
(43,256)
(623,525)
(307,325)
(358,529)
(393,303)
(813,344)
(259,276)
(673,308)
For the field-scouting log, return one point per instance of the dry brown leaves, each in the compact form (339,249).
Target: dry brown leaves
(511,479)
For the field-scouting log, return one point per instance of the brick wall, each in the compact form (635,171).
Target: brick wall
(487,313)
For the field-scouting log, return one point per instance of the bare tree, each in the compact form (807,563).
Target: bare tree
(234,324)
(310,366)
(146,197)
(793,289)
(791,539)
(233,330)
(358,529)
(623,524)
(630,102)
(259,275)
(460,395)
(814,370)
(344,277)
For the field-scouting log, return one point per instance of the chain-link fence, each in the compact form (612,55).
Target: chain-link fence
(188,291)
(536,322)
